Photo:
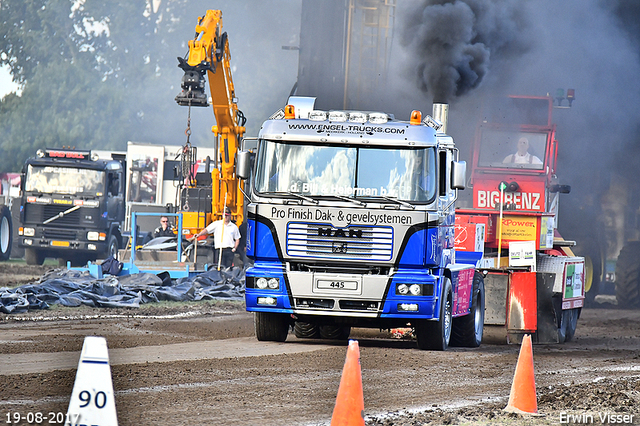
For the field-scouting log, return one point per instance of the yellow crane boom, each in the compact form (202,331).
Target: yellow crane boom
(209,56)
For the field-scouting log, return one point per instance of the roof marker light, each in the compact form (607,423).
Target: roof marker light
(317,115)
(289,112)
(378,118)
(571,95)
(337,116)
(416,117)
(358,117)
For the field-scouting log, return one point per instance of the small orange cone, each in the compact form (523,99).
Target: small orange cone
(349,408)
(523,399)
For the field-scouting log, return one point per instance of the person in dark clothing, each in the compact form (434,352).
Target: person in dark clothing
(165,229)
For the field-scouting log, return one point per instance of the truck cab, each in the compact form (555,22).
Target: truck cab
(72,206)
(351,224)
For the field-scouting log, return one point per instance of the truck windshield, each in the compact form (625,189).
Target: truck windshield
(64,180)
(330,170)
(513,149)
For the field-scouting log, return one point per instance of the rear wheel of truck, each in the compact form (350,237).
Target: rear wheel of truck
(435,335)
(112,250)
(305,330)
(591,248)
(33,256)
(568,324)
(628,276)
(271,327)
(335,332)
(6,233)
(467,330)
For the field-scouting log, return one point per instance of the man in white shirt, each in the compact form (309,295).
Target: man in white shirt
(522,156)
(226,236)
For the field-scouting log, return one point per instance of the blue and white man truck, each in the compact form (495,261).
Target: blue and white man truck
(351,224)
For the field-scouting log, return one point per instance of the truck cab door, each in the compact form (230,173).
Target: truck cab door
(446,198)
(115,196)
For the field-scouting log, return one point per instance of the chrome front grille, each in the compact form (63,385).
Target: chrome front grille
(352,242)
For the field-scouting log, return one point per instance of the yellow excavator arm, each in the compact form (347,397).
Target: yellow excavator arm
(209,56)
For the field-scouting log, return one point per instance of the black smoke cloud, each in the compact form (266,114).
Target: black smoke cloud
(454,42)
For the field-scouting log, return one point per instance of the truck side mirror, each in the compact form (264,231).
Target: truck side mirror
(563,189)
(243,165)
(458,174)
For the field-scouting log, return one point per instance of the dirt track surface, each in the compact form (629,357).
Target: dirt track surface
(199,364)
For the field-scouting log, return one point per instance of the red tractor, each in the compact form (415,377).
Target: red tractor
(534,282)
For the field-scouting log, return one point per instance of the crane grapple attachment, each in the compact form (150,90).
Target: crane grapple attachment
(193,83)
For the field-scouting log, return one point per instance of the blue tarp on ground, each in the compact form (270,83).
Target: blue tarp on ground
(76,288)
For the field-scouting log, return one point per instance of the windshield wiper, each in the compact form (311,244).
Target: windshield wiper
(395,200)
(59,215)
(303,197)
(353,200)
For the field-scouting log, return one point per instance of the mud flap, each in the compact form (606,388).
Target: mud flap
(522,307)
(496,287)
(547,313)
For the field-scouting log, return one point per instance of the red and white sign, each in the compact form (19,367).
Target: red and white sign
(530,197)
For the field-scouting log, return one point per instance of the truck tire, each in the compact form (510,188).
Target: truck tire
(33,256)
(305,330)
(435,335)
(6,233)
(467,331)
(568,324)
(594,264)
(17,252)
(334,332)
(628,276)
(271,327)
(112,249)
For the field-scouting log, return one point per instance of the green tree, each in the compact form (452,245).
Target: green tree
(97,74)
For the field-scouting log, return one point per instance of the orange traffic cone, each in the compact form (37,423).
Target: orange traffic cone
(522,399)
(349,409)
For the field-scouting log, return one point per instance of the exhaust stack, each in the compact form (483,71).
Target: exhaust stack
(441,114)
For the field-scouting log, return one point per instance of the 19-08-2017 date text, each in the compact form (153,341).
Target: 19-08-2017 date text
(35,418)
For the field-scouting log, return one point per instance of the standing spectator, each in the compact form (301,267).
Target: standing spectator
(226,236)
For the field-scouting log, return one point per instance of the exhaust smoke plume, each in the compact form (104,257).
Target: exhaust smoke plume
(455,40)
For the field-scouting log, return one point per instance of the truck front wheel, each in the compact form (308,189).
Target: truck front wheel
(271,327)
(467,330)
(435,335)
(33,256)
(6,233)
(112,250)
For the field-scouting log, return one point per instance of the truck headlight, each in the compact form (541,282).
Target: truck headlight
(92,236)
(261,283)
(273,283)
(29,232)
(415,289)
(264,283)
(410,289)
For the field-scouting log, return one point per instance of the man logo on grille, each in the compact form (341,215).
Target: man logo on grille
(351,233)
(339,247)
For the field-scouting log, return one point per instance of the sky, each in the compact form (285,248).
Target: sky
(6,85)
